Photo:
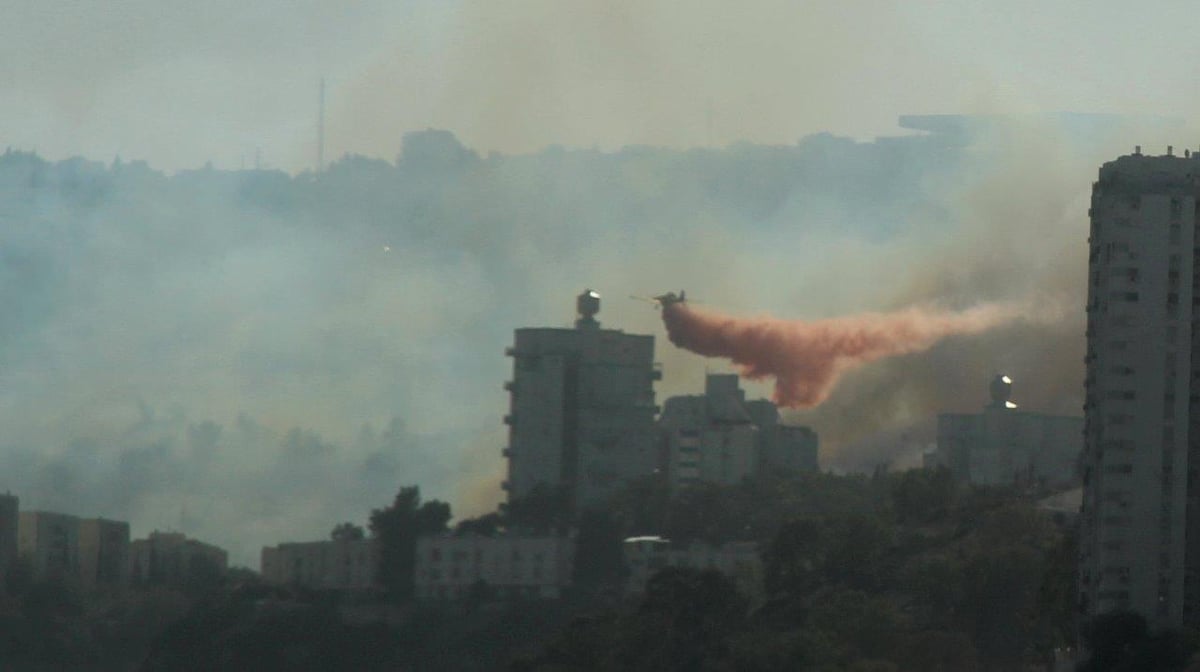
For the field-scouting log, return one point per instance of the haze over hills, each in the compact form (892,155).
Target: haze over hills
(252,356)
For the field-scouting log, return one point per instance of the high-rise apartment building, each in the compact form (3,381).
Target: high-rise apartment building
(582,408)
(1140,534)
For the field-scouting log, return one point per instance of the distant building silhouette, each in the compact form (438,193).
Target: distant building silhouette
(1004,445)
(332,564)
(719,437)
(103,553)
(1140,520)
(89,553)
(9,517)
(49,544)
(582,408)
(171,558)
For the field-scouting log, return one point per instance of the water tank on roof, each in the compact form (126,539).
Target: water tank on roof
(1001,391)
(587,305)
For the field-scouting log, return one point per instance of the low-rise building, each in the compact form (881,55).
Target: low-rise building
(49,544)
(1004,445)
(338,564)
(508,566)
(739,560)
(172,558)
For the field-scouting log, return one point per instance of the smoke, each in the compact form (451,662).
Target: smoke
(284,317)
(806,358)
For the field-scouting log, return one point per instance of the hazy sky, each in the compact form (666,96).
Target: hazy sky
(162,304)
(179,83)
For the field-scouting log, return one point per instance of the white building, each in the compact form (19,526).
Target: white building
(739,560)
(719,437)
(336,564)
(1141,395)
(451,567)
(1004,445)
(582,408)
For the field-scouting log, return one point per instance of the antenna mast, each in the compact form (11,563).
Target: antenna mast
(321,128)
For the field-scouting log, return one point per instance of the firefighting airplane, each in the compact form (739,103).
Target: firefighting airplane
(664,300)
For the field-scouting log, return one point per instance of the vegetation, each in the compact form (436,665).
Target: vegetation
(893,572)
(396,529)
(887,573)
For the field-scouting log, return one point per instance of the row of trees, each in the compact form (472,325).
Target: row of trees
(886,573)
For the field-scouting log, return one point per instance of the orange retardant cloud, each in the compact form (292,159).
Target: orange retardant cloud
(805,358)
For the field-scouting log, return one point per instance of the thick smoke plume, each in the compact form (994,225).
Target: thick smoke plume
(806,358)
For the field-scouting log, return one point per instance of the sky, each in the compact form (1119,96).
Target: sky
(181,83)
(254,360)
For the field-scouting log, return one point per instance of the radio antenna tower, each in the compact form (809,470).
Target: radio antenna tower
(321,128)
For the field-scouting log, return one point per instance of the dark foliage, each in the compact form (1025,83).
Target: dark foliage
(396,529)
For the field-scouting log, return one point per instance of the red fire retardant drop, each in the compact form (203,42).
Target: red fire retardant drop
(807,358)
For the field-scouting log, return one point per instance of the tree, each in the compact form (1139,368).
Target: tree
(486,525)
(923,495)
(793,559)
(599,560)
(346,532)
(685,621)
(396,529)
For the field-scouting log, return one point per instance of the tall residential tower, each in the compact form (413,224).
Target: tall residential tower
(1139,545)
(582,408)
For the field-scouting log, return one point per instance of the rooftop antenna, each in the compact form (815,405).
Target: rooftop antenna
(708,122)
(321,127)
